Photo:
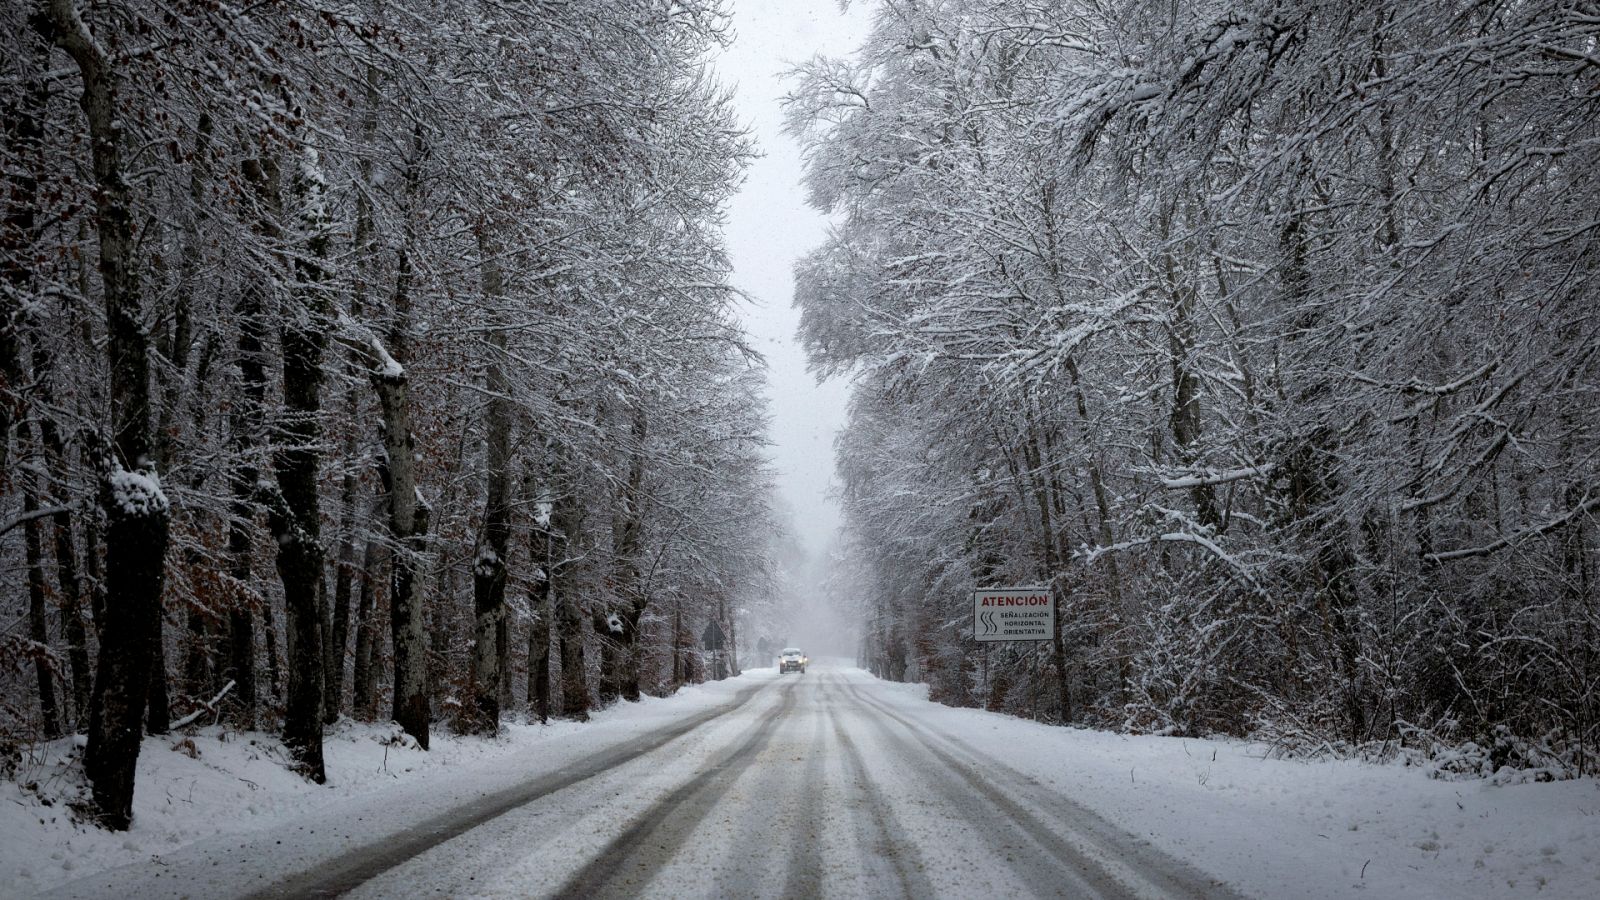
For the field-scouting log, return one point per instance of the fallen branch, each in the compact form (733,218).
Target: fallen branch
(210,706)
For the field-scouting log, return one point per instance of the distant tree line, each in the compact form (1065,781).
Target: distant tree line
(1265,333)
(369,358)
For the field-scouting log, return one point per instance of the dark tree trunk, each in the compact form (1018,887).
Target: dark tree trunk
(158,713)
(626,538)
(364,677)
(198,678)
(300,559)
(24,124)
(248,428)
(136,512)
(678,641)
(489,564)
(66,553)
(339,627)
(502,646)
(610,660)
(408,513)
(566,521)
(539,646)
(293,513)
(408,524)
(269,633)
(407,632)
(241,664)
(33,545)
(23,121)
(72,618)
(574,679)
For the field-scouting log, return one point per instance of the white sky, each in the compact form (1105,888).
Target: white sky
(770,226)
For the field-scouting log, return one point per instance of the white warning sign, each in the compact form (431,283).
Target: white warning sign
(1013,614)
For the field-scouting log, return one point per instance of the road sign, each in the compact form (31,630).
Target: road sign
(712,638)
(1013,614)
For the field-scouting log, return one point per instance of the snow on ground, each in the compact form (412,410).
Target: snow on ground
(1286,828)
(217,783)
(1272,828)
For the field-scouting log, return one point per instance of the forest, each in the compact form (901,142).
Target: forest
(366,358)
(1263,332)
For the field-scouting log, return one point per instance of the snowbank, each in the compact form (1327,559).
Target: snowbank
(1279,828)
(215,782)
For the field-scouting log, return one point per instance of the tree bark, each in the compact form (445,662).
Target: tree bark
(66,551)
(574,677)
(1185,419)
(158,712)
(627,535)
(344,564)
(489,563)
(539,644)
(408,513)
(136,511)
(44,678)
(293,512)
(364,677)
(23,121)
(566,521)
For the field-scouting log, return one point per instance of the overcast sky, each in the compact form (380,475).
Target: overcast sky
(770,226)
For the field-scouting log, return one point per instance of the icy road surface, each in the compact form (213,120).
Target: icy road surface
(824,784)
(813,787)
(829,784)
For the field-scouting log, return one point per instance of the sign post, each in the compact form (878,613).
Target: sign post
(713,640)
(1013,614)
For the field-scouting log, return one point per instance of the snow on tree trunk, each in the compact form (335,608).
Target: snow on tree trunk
(408,513)
(489,562)
(135,509)
(293,512)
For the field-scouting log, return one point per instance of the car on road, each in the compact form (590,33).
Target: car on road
(792,660)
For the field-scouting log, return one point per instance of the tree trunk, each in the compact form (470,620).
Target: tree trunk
(1185,419)
(158,712)
(539,645)
(489,564)
(339,627)
(23,121)
(408,513)
(72,616)
(566,521)
(364,677)
(197,674)
(626,537)
(66,551)
(293,513)
(135,509)
(241,665)
(574,680)
(608,636)
(44,678)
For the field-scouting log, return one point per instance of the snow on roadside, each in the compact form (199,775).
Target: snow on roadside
(1290,829)
(215,782)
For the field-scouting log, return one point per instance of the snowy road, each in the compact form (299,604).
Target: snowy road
(812,787)
(824,784)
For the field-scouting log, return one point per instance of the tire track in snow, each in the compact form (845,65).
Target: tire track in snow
(632,858)
(1006,829)
(902,855)
(349,871)
(803,875)
(1116,863)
